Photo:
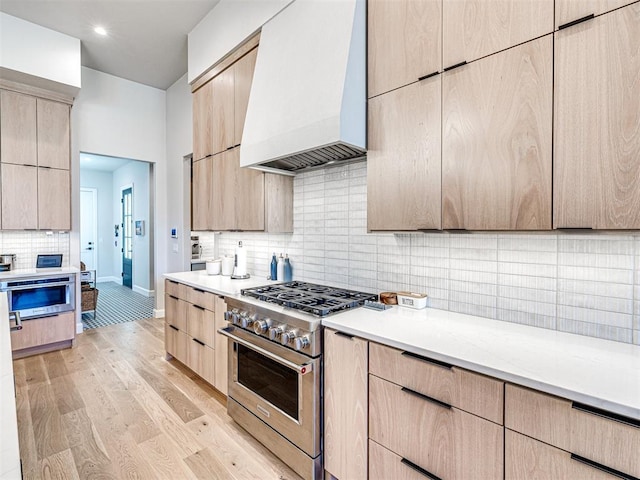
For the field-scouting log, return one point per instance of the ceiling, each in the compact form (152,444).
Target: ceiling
(146,40)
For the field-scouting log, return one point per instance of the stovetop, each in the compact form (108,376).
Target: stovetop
(319,300)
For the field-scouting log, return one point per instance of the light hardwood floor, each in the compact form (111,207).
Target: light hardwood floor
(113,407)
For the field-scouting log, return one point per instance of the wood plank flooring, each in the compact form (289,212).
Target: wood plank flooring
(112,407)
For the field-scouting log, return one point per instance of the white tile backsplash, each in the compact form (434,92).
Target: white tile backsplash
(26,245)
(584,284)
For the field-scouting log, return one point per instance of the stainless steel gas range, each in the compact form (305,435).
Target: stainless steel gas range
(275,366)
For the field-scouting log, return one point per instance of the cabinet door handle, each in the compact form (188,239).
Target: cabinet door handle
(576,22)
(419,469)
(455,66)
(603,468)
(603,413)
(425,397)
(198,341)
(428,75)
(342,334)
(437,363)
(199,307)
(175,328)
(174,297)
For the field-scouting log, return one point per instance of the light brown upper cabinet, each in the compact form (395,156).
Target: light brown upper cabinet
(568,11)
(404,42)
(54,199)
(496,145)
(404,158)
(202,118)
(18,128)
(243,77)
(472,29)
(597,113)
(222,104)
(53,135)
(19,197)
(201,194)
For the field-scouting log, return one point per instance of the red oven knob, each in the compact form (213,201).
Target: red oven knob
(302,342)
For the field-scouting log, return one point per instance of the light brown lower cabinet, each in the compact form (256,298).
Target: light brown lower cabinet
(386,465)
(345,405)
(201,359)
(221,347)
(440,439)
(39,332)
(176,342)
(200,324)
(530,459)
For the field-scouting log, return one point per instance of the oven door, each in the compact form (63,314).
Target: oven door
(278,385)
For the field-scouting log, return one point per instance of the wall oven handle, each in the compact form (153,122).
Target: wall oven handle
(300,369)
(15,316)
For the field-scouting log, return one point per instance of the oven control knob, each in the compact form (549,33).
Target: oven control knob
(247,321)
(302,342)
(275,333)
(261,326)
(287,337)
(232,316)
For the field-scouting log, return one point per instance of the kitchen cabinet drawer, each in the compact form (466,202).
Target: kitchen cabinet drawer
(200,298)
(175,312)
(386,465)
(526,458)
(201,324)
(581,430)
(570,10)
(474,393)
(43,331)
(176,342)
(447,442)
(201,360)
(175,289)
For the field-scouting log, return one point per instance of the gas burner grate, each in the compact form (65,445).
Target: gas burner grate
(319,300)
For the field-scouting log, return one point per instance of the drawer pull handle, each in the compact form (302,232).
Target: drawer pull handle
(174,297)
(342,334)
(198,290)
(199,307)
(198,341)
(175,328)
(608,415)
(429,75)
(428,360)
(576,22)
(455,66)
(173,281)
(602,468)
(425,397)
(419,469)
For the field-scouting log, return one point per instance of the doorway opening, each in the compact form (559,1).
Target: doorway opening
(116,204)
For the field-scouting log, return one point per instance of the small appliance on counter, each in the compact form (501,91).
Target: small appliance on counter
(7,262)
(196,248)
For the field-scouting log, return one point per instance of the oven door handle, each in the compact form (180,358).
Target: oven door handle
(301,369)
(15,317)
(36,285)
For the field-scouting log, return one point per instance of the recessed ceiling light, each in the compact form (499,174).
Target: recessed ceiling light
(100,31)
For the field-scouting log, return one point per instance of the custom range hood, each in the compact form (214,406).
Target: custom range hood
(307,105)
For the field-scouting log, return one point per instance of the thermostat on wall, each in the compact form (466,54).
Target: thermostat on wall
(174,233)
(412,300)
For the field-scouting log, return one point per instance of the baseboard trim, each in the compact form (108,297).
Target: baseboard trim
(157,313)
(143,291)
(117,280)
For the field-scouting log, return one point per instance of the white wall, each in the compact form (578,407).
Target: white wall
(117,117)
(39,56)
(179,144)
(137,175)
(103,183)
(225,27)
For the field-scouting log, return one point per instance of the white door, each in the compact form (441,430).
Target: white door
(88,228)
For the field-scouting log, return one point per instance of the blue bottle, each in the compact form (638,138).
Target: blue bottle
(287,269)
(274,267)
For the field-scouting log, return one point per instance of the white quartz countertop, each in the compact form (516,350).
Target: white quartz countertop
(219,284)
(36,272)
(600,373)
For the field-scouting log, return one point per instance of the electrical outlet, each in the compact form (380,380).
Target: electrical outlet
(175,248)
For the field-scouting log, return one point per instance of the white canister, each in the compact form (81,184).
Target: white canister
(213,267)
(227,264)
